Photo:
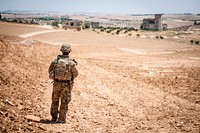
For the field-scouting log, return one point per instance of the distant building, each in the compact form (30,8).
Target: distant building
(196,22)
(72,24)
(95,24)
(154,24)
(122,24)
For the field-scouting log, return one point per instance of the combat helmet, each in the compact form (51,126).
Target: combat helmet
(66,48)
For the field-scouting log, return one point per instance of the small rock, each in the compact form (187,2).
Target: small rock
(179,124)
(197,101)
(143,36)
(30,129)
(41,84)
(30,123)
(20,107)
(28,102)
(187,129)
(41,90)
(2,113)
(9,102)
(38,106)
(15,128)
(2,128)
(13,111)
(175,37)
(32,118)
(43,128)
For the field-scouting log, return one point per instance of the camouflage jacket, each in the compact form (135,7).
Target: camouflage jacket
(73,70)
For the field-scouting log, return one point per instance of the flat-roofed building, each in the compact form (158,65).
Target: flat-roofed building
(154,24)
(72,24)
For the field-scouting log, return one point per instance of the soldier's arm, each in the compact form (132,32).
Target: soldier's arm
(52,65)
(74,72)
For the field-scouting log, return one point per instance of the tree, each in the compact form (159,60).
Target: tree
(78,29)
(87,25)
(195,22)
(55,24)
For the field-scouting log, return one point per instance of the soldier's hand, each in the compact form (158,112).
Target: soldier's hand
(75,61)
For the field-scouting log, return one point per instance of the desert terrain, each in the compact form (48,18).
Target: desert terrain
(125,84)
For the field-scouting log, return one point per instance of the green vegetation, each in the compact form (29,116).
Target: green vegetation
(196,42)
(55,24)
(109,31)
(191,41)
(117,32)
(78,29)
(102,30)
(87,25)
(161,37)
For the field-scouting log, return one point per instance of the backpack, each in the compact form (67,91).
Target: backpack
(61,70)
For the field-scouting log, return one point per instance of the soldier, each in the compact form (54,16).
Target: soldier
(63,72)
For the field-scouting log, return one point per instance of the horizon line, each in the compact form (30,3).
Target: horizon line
(49,11)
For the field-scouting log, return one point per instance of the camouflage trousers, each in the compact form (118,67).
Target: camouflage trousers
(61,94)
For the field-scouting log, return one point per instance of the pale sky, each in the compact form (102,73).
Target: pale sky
(105,6)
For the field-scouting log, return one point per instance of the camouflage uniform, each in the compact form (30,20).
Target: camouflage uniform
(62,90)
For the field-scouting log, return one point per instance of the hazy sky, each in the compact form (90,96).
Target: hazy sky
(105,6)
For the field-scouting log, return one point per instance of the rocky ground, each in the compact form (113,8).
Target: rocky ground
(116,91)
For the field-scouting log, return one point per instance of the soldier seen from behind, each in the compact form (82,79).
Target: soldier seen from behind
(63,71)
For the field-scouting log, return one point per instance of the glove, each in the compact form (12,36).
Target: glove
(75,61)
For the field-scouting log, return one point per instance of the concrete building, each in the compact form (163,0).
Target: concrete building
(72,24)
(122,24)
(158,21)
(154,24)
(95,24)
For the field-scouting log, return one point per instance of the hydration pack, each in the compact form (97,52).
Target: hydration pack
(61,69)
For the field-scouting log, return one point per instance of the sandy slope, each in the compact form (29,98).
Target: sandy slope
(117,90)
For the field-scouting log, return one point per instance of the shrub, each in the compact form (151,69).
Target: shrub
(78,29)
(87,25)
(119,30)
(125,31)
(108,31)
(102,30)
(138,35)
(55,24)
(196,42)
(161,37)
(129,34)
(191,41)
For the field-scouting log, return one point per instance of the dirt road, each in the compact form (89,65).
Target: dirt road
(118,89)
(37,33)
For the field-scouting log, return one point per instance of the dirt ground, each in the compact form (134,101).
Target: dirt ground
(126,85)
